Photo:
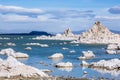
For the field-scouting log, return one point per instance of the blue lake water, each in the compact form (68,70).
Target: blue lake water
(40,54)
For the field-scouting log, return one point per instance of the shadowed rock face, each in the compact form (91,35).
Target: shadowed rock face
(99,34)
(68,32)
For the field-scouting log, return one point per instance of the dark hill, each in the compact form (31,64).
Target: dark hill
(40,33)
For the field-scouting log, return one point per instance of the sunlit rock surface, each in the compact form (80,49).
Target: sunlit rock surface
(67,35)
(64,65)
(106,64)
(56,56)
(11,68)
(99,34)
(113,49)
(86,55)
(11,52)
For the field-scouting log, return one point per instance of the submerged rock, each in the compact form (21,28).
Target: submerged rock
(72,51)
(11,44)
(68,69)
(28,48)
(36,44)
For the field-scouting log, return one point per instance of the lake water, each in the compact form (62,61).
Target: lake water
(40,54)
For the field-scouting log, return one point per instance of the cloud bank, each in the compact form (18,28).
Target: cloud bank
(34,18)
(115,10)
(21,14)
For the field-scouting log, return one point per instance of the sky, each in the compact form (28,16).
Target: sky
(57,15)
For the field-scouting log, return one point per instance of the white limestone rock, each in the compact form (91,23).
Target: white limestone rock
(107,64)
(84,64)
(64,65)
(21,55)
(36,44)
(28,48)
(64,48)
(56,55)
(68,69)
(11,68)
(11,44)
(99,34)
(11,52)
(86,55)
(113,49)
(67,35)
(68,32)
(72,51)
(75,42)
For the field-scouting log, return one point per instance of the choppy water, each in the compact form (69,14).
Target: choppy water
(40,54)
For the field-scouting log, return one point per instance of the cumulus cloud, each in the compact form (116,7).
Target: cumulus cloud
(24,18)
(21,14)
(115,10)
(20,10)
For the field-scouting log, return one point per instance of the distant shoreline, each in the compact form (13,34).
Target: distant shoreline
(40,33)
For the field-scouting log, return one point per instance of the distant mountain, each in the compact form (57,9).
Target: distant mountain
(78,32)
(31,33)
(114,31)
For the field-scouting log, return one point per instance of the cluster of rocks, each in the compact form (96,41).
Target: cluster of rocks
(67,35)
(4,38)
(104,64)
(113,49)
(99,34)
(107,64)
(13,53)
(36,44)
(66,66)
(13,68)
(11,44)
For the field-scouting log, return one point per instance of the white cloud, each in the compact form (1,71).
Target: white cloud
(24,18)
(19,10)
(108,17)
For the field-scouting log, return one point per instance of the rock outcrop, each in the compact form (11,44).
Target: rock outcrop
(113,49)
(64,65)
(11,52)
(56,56)
(86,55)
(106,64)
(13,68)
(68,33)
(99,34)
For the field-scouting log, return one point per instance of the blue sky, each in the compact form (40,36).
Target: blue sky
(57,15)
